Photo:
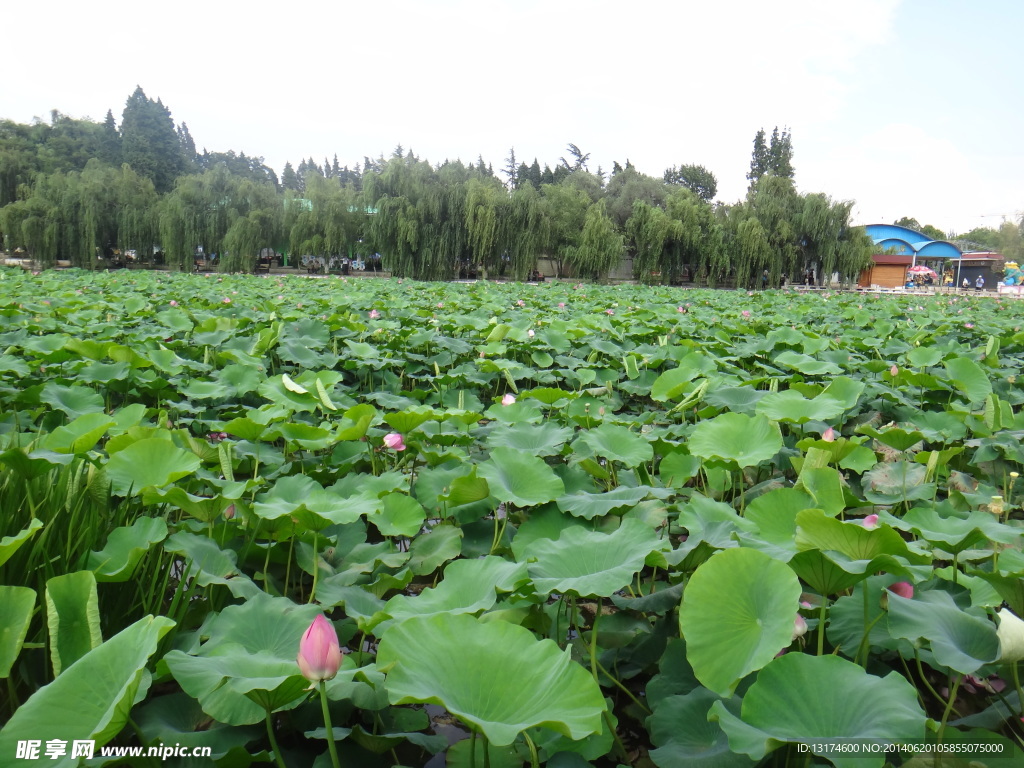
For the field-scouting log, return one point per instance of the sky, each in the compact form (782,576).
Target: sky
(908,107)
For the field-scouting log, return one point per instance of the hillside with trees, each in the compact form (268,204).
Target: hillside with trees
(76,189)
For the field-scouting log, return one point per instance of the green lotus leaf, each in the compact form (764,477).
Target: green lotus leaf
(545,439)
(302,498)
(16,607)
(406,421)
(686,738)
(924,357)
(962,640)
(894,437)
(737,613)
(502,681)
(586,562)
(150,462)
(791,406)
(735,399)
(80,436)
(969,378)
(617,443)
(591,505)
(208,564)
(816,530)
(431,550)
(251,647)
(75,401)
(747,440)
(894,481)
(11,544)
(670,384)
(468,586)
(399,515)
(125,547)
(91,699)
(954,533)
(177,718)
(794,700)
(549,395)
(519,478)
(203,508)
(806,364)
(72,617)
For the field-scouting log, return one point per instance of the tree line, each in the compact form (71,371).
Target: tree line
(74,189)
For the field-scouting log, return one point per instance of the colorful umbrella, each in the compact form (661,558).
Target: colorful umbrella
(920,269)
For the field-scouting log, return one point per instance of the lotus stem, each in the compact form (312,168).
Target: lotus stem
(534,758)
(1015,672)
(822,612)
(331,746)
(278,757)
(949,707)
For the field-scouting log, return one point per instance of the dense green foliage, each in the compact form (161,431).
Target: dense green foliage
(77,190)
(595,525)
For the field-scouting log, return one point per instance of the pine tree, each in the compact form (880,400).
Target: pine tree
(780,154)
(110,141)
(290,179)
(150,143)
(758,160)
(511,169)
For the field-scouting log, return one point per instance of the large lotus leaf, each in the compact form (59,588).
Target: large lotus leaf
(431,550)
(72,617)
(806,364)
(672,382)
(822,700)
(91,699)
(969,378)
(737,614)
(75,401)
(468,586)
(151,462)
(617,443)
(251,647)
(954,533)
(178,718)
(546,523)
(961,640)
(894,481)
(825,485)
(747,440)
(586,562)
(735,399)
(591,505)
(203,508)
(520,478)
(924,357)
(793,407)
(501,680)
(844,390)
(16,607)
(894,437)
(302,498)
(124,549)
(208,564)
(686,738)
(774,513)
(399,515)
(544,439)
(11,544)
(816,530)
(80,435)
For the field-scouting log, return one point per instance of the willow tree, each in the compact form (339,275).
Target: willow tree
(203,208)
(328,220)
(600,245)
(485,204)
(522,230)
(647,231)
(696,242)
(564,209)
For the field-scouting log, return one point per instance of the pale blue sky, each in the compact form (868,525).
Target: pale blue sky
(910,107)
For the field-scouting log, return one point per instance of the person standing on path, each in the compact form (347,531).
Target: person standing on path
(979,283)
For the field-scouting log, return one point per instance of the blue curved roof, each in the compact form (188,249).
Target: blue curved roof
(906,240)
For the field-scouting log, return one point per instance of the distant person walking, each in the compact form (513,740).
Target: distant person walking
(965,285)
(979,284)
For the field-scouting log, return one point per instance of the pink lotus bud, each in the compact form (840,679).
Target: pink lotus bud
(374,314)
(894,371)
(319,652)
(829,435)
(440,305)
(530,333)
(609,311)
(226,300)
(174,303)
(508,399)
(680,309)
(903,589)
(745,313)
(870,522)
(393,440)
(229,512)
(799,627)
(520,303)
(561,305)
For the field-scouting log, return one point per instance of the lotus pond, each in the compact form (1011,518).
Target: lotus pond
(552,525)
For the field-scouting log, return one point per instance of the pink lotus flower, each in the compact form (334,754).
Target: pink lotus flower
(968,325)
(520,303)
(319,652)
(561,305)
(174,303)
(680,309)
(508,399)
(870,522)
(829,435)
(440,305)
(226,300)
(903,589)
(393,440)
(745,313)
(799,627)
(374,314)
(894,371)
(609,311)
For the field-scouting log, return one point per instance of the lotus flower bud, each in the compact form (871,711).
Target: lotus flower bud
(829,435)
(870,522)
(903,589)
(894,371)
(799,627)
(1011,638)
(508,399)
(319,651)
(393,441)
